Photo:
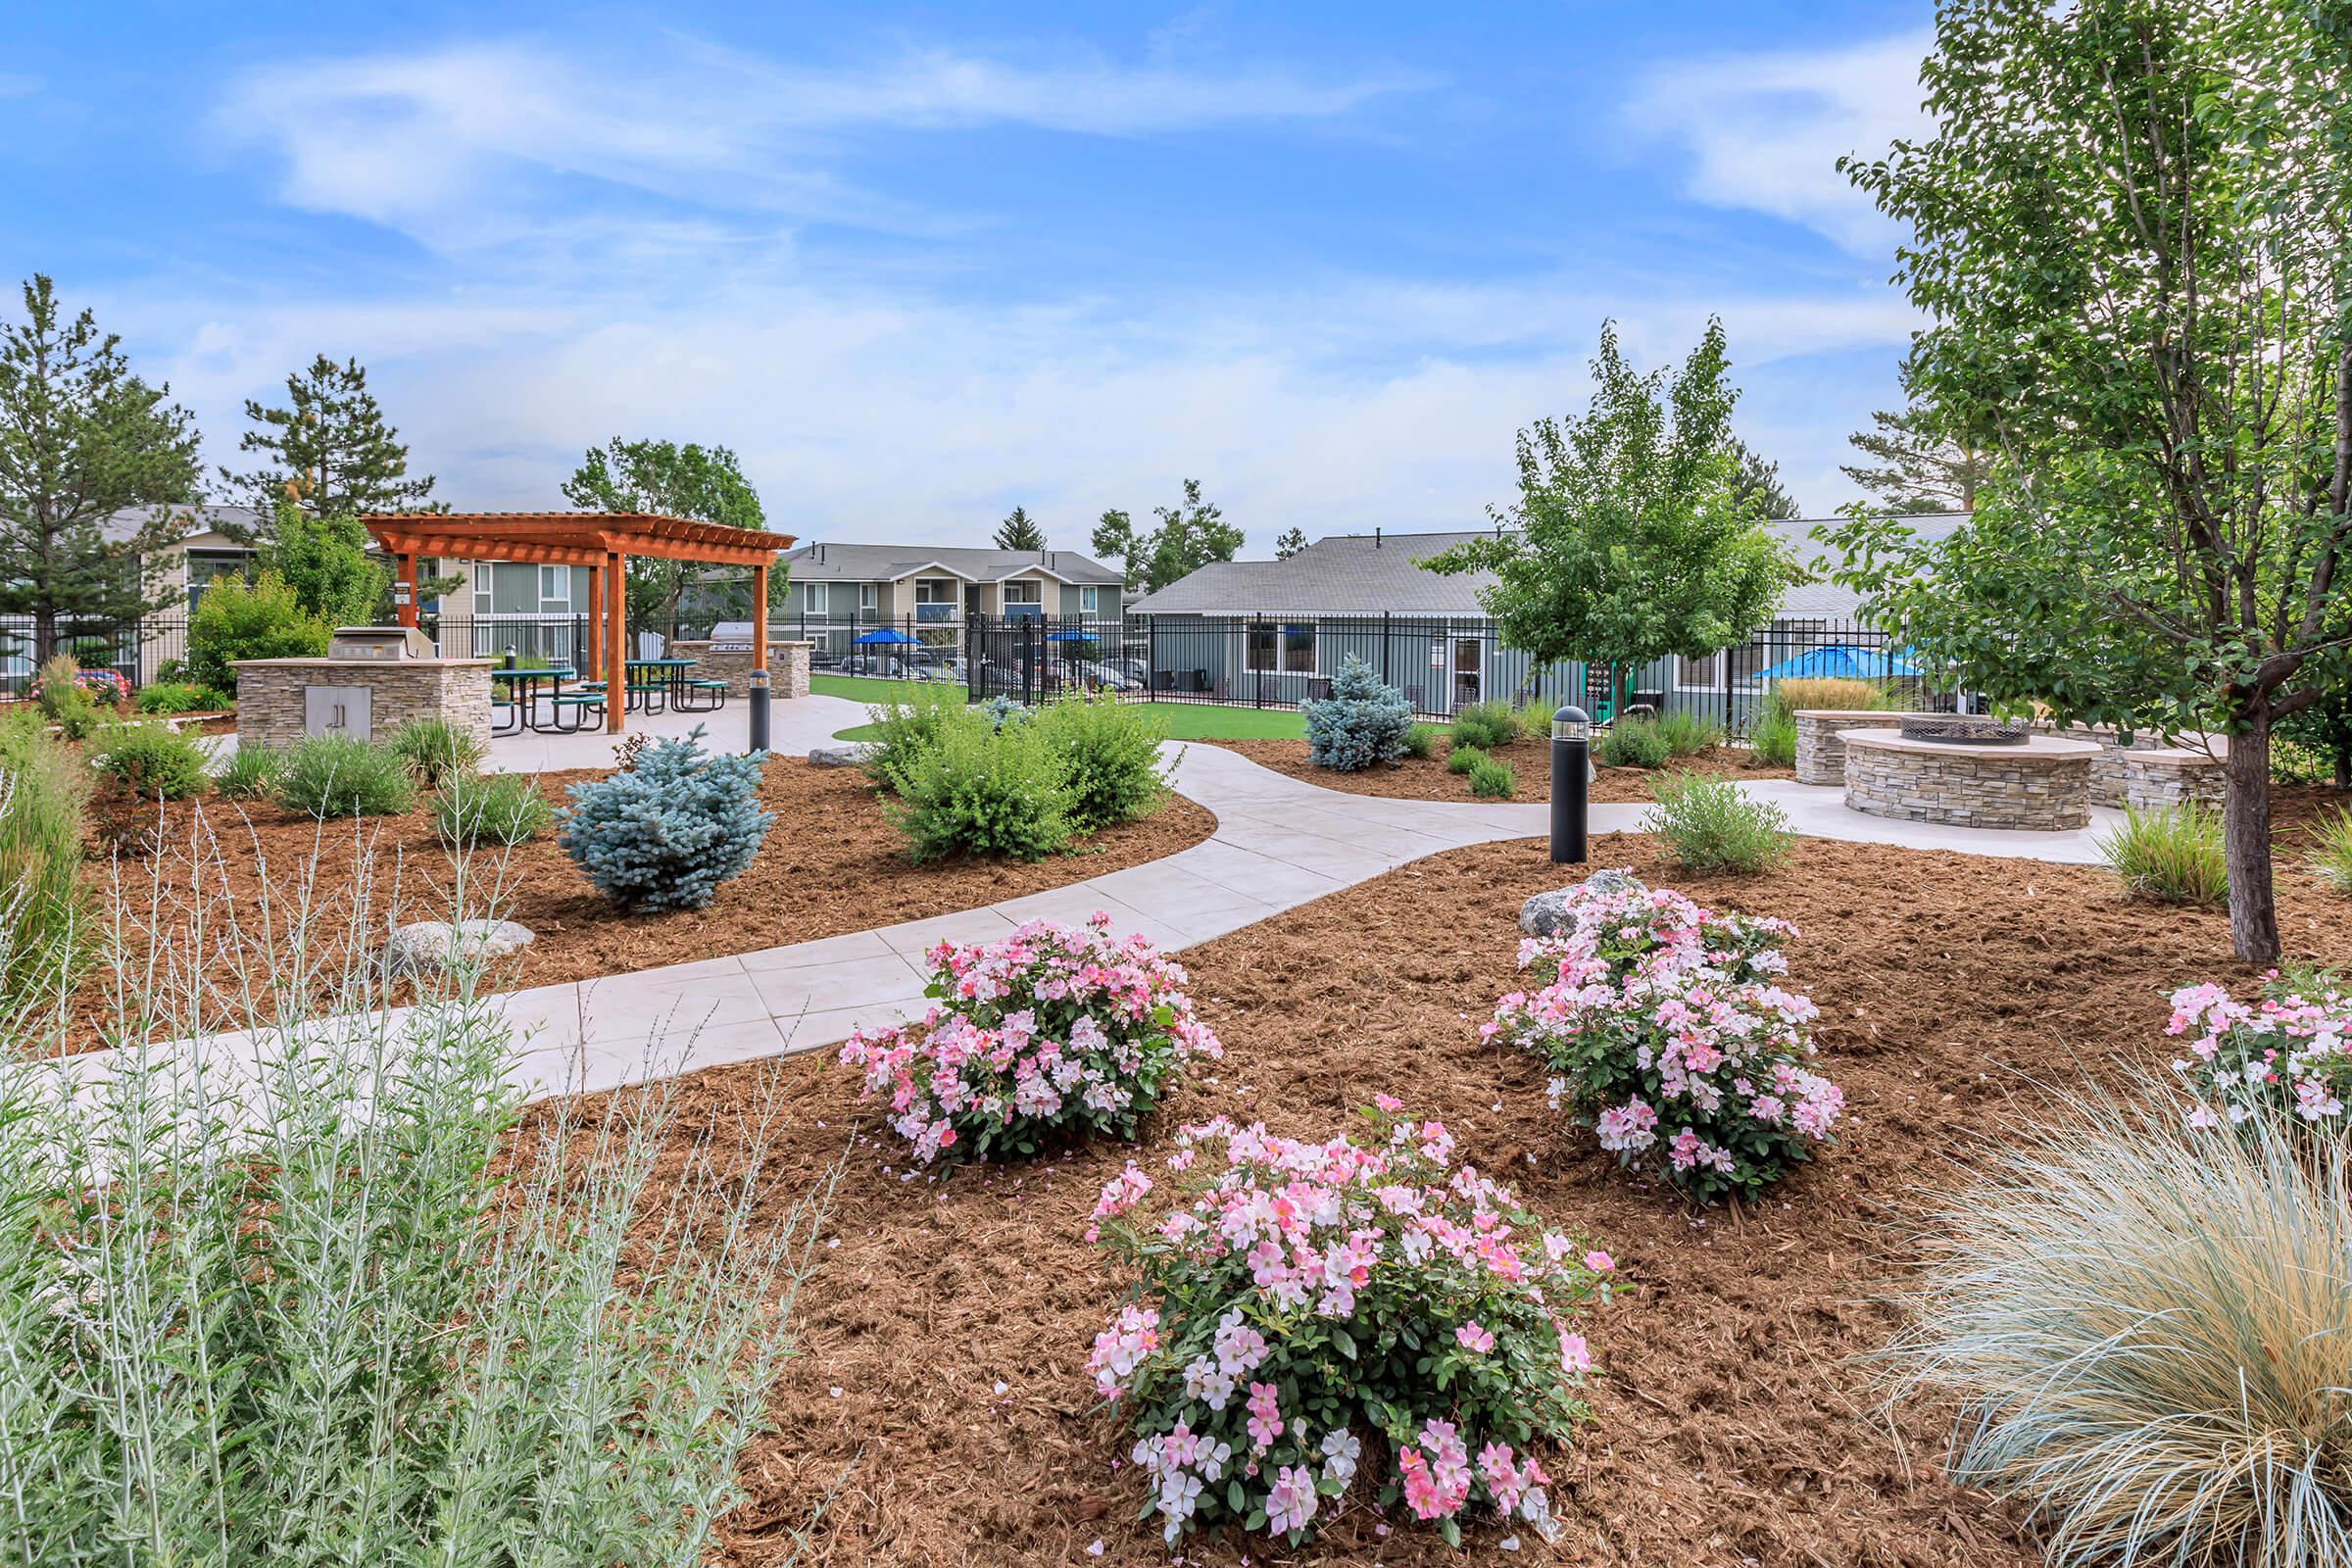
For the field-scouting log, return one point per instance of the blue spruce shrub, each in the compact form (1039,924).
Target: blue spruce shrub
(1361,722)
(664,833)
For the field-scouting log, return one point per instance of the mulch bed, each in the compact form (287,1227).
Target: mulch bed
(1424,779)
(831,863)
(940,1414)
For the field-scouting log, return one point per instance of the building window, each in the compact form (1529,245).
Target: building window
(1022,593)
(933,591)
(1698,674)
(1280,649)
(1089,600)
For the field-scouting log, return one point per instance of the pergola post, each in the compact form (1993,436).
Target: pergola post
(617,636)
(408,590)
(590,664)
(759,616)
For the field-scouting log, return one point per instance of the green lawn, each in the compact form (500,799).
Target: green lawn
(1186,721)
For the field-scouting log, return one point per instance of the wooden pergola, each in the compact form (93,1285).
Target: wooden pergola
(603,542)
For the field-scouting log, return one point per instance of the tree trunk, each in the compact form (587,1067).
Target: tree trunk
(2246,843)
(2344,769)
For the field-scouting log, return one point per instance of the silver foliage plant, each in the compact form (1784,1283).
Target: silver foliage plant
(341,1297)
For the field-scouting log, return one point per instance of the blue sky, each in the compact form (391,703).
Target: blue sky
(919,264)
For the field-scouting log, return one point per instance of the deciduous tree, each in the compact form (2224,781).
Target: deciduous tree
(324,559)
(1630,539)
(705,484)
(82,438)
(2133,245)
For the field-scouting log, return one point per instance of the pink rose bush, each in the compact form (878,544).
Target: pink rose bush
(1052,1031)
(2290,1053)
(1296,1297)
(1668,1033)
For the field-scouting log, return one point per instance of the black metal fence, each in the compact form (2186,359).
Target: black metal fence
(1442,665)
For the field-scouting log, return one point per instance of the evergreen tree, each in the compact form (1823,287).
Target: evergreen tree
(1020,532)
(330,450)
(1290,543)
(1756,481)
(703,484)
(80,438)
(324,558)
(1918,469)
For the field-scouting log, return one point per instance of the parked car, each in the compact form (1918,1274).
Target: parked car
(1104,676)
(889,665)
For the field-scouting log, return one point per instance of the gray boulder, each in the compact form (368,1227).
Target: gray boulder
(852,754)
(432,948)
(1546,913)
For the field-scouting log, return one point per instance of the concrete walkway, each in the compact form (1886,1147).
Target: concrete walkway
(1280,842)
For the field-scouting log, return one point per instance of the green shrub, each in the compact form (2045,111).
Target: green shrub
(1634,743)
(250,772)
(170,697)
(2138,1330)
(44,912)
(1110,757)
(490,809)
(153,760)
(1421,740)
(341,775)
(1532,719)
(971,792)
(1492,780)
(1837,691)
(2332,850)
(2172,857)
(261,619)
(664,833)
(1687,734)
(434,751)
(1705,824)
(1361,723)
(1772,739)
(908,725)
(330,1306)
(1462,758)
(1485,726)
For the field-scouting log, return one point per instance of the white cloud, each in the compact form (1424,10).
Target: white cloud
(1765,131)
(428,141)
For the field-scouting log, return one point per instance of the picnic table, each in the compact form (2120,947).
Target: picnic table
(523,688)
(666,679)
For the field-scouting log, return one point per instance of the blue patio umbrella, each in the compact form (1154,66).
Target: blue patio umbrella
(1067,636)
(1842,661)
(886,634)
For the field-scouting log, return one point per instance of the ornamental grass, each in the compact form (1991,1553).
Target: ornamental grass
(2143,1326)
(2172,856)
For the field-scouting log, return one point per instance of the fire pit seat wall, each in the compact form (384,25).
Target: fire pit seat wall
(2160,778)
(2040,786)
(729,659)
(270,703)
(1819,750)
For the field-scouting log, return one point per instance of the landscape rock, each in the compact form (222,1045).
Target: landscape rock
(851,755)
(432,948)
(1546,913)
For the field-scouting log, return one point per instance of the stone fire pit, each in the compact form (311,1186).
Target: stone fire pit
(2041,783)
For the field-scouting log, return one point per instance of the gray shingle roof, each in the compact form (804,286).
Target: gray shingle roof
(840,562)
(1344,574)
(1367,574)
(124,524)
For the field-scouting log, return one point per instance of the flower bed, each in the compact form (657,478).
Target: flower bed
(1665,1028)
(2288,1054)
(1051,1032)
(1296,1292)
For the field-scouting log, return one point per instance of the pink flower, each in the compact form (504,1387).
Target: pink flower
(1292,1502)
(1474,1335)
(1265,1414)
(1599,1262)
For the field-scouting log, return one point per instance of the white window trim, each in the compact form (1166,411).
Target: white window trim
(1281,649)
(1089,600)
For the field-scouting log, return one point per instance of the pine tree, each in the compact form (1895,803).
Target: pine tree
(1919,469)
(330,450)
(1290,543)
(81,438)
(1757,482)
(1019,531)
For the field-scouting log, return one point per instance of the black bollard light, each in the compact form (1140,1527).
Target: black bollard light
(1571,765)
(758,710)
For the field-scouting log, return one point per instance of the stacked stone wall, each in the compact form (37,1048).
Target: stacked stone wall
(271,704)
(1972,790)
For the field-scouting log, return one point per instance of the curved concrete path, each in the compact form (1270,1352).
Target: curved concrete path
(1280,842)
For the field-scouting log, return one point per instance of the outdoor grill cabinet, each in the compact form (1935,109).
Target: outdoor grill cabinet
(379,645)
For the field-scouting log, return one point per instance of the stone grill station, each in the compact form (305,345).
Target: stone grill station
(371,680)
(1936,768)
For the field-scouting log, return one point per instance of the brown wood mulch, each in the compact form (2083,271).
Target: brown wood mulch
(831,863)
(1424,779)
(940,1412)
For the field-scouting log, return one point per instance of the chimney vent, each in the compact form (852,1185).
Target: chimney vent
(1376,536)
